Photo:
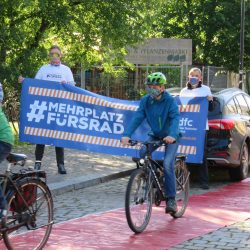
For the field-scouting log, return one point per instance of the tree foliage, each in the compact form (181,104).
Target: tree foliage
(98,32)
(213,26)
(89,32)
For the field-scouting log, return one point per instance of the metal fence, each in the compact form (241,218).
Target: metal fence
(129,84)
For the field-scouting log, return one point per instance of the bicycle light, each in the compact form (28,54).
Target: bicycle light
(141,162)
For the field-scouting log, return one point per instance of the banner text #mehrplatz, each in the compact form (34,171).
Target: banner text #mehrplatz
(66,116)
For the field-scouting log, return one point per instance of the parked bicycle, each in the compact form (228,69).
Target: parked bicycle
(29,218)
(146,184)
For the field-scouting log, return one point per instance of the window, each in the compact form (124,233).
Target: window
(230,108)
(242,105)
(247,98)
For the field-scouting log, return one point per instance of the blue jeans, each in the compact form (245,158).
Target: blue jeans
(168,164)
(5,149)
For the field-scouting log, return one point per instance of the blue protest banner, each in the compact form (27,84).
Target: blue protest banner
(66,116)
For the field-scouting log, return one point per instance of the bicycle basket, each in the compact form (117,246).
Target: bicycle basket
(29,193)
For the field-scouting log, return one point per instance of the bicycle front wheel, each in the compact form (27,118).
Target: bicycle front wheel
(182,187)
(138,200)
(29,222)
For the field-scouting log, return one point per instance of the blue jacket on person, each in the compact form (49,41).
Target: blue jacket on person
(162,116)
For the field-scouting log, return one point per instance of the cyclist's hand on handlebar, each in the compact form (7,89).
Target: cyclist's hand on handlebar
(125,141)
(210,98)
(169,139)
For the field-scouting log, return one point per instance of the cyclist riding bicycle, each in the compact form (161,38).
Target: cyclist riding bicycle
(6,142)
(162,114)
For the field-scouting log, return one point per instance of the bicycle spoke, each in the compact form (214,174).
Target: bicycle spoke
(182,188)
(38,208)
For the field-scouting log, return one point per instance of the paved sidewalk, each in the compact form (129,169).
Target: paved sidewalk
(83,168)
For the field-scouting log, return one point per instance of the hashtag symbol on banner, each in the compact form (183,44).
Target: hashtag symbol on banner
(37,111)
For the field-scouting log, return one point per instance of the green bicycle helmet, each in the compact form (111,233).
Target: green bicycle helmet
(156,78)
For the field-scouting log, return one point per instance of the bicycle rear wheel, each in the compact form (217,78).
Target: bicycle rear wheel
(182,187)
(138,200)
(33,220)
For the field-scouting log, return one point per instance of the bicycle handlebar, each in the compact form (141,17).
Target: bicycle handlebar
(157,142)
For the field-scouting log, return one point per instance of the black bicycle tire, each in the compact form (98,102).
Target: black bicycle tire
(180,212)
(44,187)
(130,222)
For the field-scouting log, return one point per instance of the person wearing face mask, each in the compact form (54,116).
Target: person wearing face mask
(55,72)
(195,88)
(161,111)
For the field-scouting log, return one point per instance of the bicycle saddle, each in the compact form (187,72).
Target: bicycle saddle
(19,159)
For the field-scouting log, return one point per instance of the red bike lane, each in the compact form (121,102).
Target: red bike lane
(109,230)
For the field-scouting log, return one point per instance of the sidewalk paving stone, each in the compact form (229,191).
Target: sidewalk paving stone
(84,169)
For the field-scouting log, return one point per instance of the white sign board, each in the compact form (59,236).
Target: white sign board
(161,51)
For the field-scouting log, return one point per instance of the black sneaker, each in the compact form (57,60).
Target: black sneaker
(38,165)
(171,206)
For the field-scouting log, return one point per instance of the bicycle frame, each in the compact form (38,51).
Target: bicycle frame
(149,163)
(156,179)
(146,186)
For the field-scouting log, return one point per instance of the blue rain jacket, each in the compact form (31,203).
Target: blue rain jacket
(162,116)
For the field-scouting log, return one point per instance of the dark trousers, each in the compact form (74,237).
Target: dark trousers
(203,168)
(59,153)
(5,149)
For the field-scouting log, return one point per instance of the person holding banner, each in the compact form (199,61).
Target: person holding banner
(6,143)
(195,88)
(162,114)
(55,72)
